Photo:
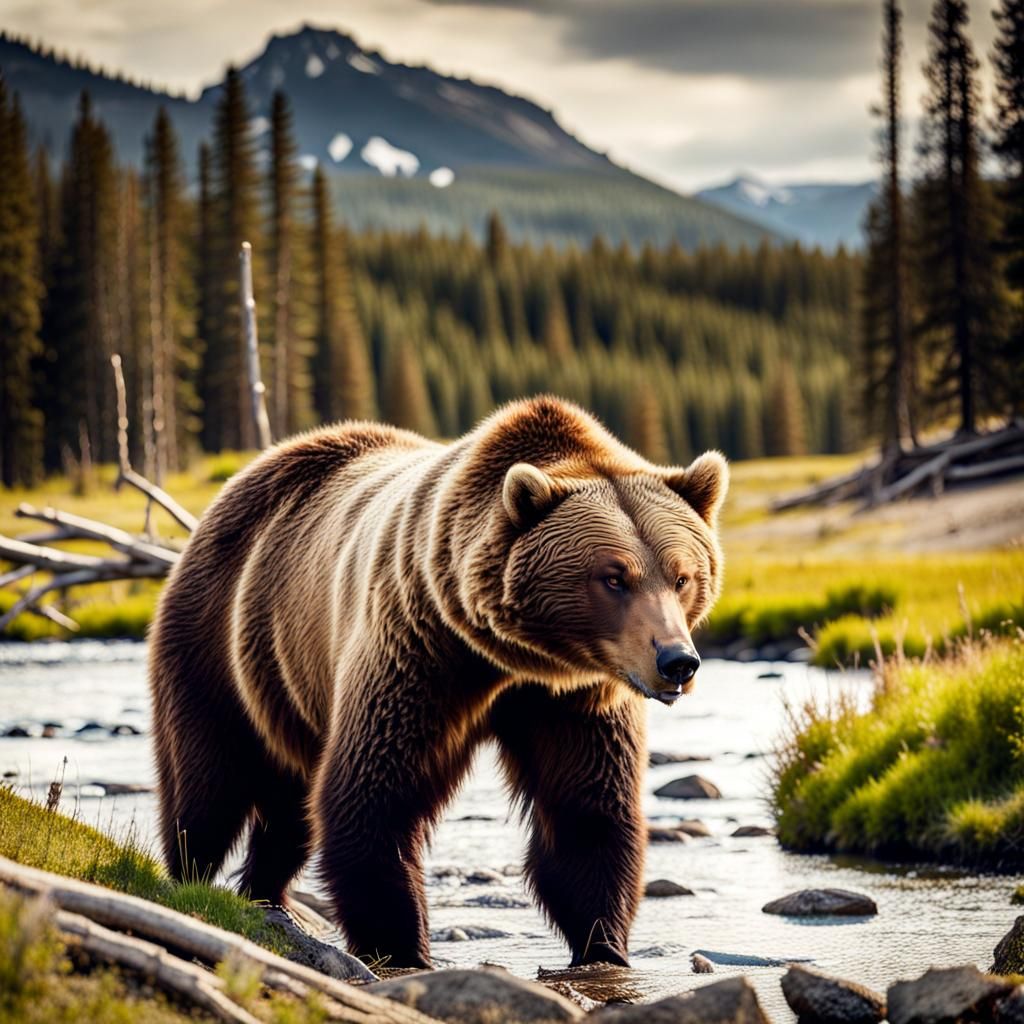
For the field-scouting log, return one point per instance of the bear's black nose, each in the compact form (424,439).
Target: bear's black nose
(677,664)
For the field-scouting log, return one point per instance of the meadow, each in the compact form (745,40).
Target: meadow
(841,581)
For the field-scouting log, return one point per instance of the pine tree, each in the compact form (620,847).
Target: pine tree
(235,209)
(343,384)
(785,428)
(83,409)
(886,343)
(206,300)
(497,239)
(286,398)
(405,400)
(1008,59)
(956,274)
(172,355)
(21,422)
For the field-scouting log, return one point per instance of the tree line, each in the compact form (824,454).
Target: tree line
(942,294)
(677,351)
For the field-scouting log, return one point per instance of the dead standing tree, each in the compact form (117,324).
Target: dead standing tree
(132,556)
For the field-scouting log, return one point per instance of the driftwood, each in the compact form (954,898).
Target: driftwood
(930,468)
(179,978)
(196,939)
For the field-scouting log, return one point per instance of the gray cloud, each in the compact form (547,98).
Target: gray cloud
(787,39)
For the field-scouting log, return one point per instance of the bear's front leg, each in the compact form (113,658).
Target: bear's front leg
(578,762)
(388,771)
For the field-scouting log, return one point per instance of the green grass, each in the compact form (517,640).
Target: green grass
(935,769)
(32,835)
(848,605)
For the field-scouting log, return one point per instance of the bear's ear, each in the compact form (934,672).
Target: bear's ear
(703,484)
(528,493)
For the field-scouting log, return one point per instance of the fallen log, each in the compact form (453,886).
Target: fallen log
(202,941)
(175,976)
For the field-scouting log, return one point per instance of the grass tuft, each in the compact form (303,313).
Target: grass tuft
(934,769)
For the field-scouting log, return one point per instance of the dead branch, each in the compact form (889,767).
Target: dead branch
(176,976)
(257,390)
(90,529)
(195,938)
(901,474)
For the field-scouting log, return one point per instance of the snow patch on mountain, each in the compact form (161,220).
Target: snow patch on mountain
(339,147)
(760,194)
(388,159)
(362,63)
(314,66)
(441,177)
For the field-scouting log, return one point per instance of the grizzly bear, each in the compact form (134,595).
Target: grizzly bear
(361,608)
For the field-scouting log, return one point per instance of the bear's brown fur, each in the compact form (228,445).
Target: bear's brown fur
(361,607)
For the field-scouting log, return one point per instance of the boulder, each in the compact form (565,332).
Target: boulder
(946,995)
(478,997)
(1009,954)
(822,903)
(690,787)
(752,831)
(732,1001)
(662,887)
(496,901)
(817,998)
(659,757)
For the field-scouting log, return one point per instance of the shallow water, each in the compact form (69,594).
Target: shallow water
(926,917)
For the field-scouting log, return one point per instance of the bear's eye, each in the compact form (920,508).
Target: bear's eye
(615,582)
(681,582)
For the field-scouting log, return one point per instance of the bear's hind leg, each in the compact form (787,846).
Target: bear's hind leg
(280,841)
(577,764)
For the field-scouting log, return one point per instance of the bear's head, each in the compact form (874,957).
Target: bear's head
(608,571)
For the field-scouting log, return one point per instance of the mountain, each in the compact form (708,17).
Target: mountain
(405,145)
(819,214)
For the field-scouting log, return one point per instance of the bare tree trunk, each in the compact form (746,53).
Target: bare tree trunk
(257,391)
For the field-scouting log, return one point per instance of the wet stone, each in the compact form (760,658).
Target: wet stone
(690,787)
(660,834)
(818,998)
(479,997)
(483,876)
(663,887)
(660,757)
(752,831)
(822,903)
(946,995)
(1009,954)
(732,1001)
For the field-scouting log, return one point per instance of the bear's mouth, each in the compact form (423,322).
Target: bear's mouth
(667,696)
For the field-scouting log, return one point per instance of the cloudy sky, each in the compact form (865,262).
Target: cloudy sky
(687,91)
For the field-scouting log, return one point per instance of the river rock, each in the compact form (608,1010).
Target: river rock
(752,831)
(478,997)
(693,827)
(125,729)
(690,787)
(946,995)
(660,757)
(466,933)
(483,876)
(16,732)
(662,887)
(817,998)
(497,901)
(122,788)
(822,903)
(701,964)
(663,834)
(1009,954)
(732,1001)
